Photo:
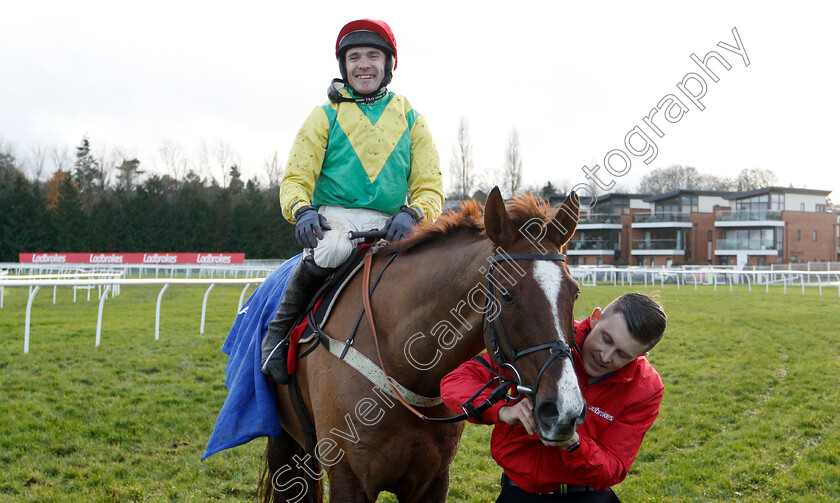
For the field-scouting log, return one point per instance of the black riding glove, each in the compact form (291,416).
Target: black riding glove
(400,225)
(308,229)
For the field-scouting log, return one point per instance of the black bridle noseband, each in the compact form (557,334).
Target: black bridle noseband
(556,349)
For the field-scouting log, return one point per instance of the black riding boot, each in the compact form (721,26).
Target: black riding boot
(304,283)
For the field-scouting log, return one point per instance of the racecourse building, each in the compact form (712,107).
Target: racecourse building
(758,227)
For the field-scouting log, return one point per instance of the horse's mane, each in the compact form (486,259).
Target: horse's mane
(468,220)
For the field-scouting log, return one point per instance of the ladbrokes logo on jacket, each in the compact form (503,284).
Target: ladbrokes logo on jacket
(599,412)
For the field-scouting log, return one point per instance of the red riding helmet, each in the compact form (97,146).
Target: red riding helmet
(368,33)
(364,32)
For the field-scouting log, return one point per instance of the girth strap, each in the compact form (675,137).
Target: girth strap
(374,374)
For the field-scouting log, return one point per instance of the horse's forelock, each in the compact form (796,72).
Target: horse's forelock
(525,207)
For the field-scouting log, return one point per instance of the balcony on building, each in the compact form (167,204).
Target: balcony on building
(662,219)
(660,242)
(749,218)
(756,245)
(599,221)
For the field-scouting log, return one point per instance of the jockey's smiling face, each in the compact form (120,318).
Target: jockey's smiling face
(365,69)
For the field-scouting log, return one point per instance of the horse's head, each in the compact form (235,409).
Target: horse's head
(531,329)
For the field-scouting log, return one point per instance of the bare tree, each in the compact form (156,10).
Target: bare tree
(107,161)
(174,161)
(224,157)
(564,186)
(273,170)
(755,178)
(677,177)
(512,174)
(172,155)
(483,182)
(712,182)
(461,163)
(204,159)
(38,161)
(60,157)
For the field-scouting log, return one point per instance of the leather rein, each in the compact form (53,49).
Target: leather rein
(558,349)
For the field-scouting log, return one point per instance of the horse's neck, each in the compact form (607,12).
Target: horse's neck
(438,300)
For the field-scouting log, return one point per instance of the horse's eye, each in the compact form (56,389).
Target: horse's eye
(506,296)
(577,294)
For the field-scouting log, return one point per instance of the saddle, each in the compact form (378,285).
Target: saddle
(318,310)
(309,329)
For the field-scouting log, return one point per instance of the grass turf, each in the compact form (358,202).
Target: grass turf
(750,411)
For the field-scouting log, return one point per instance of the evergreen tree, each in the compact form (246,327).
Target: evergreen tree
(548,190)
(236,184)
(68,218)
(86,171)
(127,174)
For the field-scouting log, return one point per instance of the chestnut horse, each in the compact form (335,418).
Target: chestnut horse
(465,283)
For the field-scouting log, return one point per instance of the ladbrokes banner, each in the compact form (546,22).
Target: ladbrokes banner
(133,258)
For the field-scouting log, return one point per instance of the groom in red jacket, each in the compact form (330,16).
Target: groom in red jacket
(622,392)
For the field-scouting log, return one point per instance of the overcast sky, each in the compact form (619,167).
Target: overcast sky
(573,78)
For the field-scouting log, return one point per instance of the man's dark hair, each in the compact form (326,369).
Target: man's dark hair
(644,316)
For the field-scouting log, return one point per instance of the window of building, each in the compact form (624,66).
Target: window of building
(773,201)
(777,202)
(801,206)
(799,235)
(820,208)
(815,236)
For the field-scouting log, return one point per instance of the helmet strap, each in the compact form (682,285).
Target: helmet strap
(337,97)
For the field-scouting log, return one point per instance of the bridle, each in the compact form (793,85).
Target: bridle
(557,349)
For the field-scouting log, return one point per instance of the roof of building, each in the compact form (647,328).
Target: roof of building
(674,193)
(783,190)
(590,200)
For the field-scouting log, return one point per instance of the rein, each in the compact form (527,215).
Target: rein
(556,349)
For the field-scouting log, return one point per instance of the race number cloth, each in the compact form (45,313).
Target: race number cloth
(249,409)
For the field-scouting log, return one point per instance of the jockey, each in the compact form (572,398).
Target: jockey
(364,160)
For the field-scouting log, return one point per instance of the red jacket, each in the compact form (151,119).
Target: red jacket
(620,410)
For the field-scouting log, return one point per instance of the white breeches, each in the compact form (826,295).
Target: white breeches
(336,246)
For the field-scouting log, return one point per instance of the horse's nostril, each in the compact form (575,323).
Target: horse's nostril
(547,413)
(581,416)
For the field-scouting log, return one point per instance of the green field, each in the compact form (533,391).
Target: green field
(750,413)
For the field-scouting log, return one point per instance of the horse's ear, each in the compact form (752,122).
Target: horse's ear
(497,223)
(562,226)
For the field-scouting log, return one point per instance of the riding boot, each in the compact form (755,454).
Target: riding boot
(304,283)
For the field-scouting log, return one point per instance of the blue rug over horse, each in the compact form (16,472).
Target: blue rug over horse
(249,409)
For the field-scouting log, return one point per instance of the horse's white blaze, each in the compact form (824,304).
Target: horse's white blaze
(568,391)
(550,278)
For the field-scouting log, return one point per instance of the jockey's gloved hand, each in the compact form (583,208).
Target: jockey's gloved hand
(400,225)
(310,226)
